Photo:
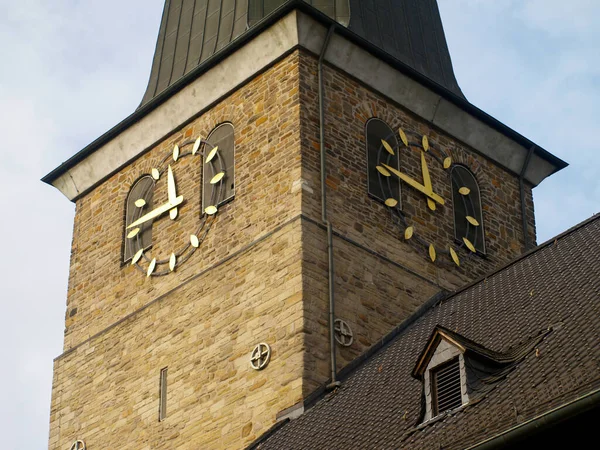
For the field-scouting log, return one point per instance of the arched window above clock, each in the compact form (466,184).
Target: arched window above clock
(223,137)
(466,199)
(139,202)
(379,186)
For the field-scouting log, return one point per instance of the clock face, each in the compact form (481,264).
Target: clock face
(146,213)
(467,202)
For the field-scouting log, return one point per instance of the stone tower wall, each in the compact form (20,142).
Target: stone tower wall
(380,278)
(261,274)
(103,290)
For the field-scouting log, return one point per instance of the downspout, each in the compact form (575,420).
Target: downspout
(334,383)
(541,423)
(522,194)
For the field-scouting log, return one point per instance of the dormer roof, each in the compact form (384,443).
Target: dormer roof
(472,348)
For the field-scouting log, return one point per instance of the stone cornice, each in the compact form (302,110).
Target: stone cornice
(293,28)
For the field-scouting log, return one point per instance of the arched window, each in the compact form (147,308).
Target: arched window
(223,137)
(379,186)
(139,202)
(468,219)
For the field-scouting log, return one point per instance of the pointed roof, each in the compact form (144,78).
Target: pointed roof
(192,31)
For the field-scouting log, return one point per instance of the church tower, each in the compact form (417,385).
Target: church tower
(299,177)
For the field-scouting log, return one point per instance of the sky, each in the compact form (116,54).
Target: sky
(71,70)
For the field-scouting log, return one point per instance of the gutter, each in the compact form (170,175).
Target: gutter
(541,423)
(259,28)
(522,196)
(332,347)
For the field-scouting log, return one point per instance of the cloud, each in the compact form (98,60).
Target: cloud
(559,18)
(534,66)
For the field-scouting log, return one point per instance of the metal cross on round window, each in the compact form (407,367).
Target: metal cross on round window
(343,333)
(260,356)
(78,445)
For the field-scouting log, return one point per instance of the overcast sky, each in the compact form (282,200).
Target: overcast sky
(71,70)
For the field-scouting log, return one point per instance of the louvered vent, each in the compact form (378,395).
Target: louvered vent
(446,387)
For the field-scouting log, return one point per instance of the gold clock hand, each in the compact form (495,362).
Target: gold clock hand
(427,181)
(171,192)
(419,187)
(157,212)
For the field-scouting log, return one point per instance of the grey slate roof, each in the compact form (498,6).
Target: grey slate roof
(556,286)
(409,30)
(191,31)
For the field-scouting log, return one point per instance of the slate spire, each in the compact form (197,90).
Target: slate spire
(191,31)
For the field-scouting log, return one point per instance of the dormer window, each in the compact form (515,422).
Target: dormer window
(446,385)
(444,376)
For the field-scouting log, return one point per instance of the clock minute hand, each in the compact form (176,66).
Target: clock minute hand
(414,184)
(427,181)
(157,212)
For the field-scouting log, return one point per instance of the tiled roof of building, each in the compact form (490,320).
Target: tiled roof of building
(552,291)
(192,31)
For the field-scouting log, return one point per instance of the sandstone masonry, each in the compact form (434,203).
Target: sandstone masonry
(261,274)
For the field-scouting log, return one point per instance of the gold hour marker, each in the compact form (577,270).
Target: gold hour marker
(140,202)
(454,257)
(469,245)
(408,233)
(196,145)
(387,147)
(391,202)
(447,162)
(172,262)
(403,137)
(425,143)
(472,221)
(464,191)
(212,154)
(218,177)
(155,174)
(176,152)
(432,253)
(137,256)
(133,233)
(194,241)
(210,210)
(383,171)
(151,267)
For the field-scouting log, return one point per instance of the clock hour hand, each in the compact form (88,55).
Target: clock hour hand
(171,192)
(419,187)
(157,212)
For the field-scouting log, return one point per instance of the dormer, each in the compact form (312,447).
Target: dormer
(456,371)
(442,369)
